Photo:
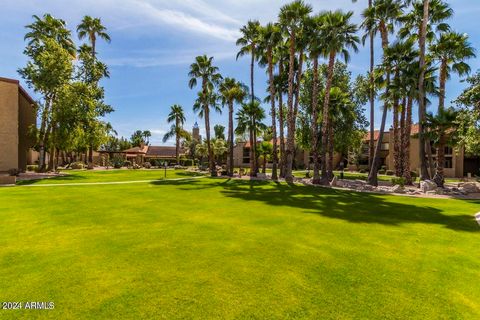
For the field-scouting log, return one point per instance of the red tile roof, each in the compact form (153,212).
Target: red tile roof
(414,131)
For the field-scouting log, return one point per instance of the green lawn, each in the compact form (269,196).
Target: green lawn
(87,176)
(231,249)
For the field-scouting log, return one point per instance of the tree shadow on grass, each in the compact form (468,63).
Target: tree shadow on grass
(64,178)
(351,206)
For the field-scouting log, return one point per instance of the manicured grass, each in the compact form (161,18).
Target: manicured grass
(231,249)
(112,175)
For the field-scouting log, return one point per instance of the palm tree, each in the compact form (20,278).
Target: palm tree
(315,48)
(92,28)
(231,91)
(292,19)
(442,129)
(219,149)
(49,27)
(371,36)
(146,136)
(265,150)
(201,151)
(381,18)
(270,38)
(338,34)
(423,17)
(177,116)
(245,123)
(248,43)
(204,70)
(451,50)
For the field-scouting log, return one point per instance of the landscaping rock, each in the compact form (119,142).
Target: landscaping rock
(334,181)
(398,189)
(469,187)
(7,180)
(427,186)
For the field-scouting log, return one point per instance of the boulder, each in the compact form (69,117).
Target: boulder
(440,191)
(7,180)
(469,187)
(398,189)
(427,186)
(334,182)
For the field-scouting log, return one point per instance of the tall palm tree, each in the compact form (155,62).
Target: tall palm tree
(177,116)
(451,50)
(270,38)
(231,92)
(419,24)
(381,18)
(338,34)
(204,70)
(315,49)
(248,43)
(292,19)
(371,36)
(93,29)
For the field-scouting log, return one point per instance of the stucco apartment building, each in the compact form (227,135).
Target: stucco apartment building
(17,115)
(457,163)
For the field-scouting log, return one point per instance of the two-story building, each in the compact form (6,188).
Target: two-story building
(17,116)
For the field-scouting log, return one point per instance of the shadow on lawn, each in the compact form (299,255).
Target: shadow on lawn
(66,178)
(351,206)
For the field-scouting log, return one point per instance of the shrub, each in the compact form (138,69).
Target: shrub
(362,171)
(186,162)
(126,163)
(381,171)
(147,165)
(413,174)
(390,173)
(398,181)
(14,172)
(77,165)
(32,167)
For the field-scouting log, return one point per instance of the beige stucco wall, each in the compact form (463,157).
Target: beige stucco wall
(27,119)
(8,125)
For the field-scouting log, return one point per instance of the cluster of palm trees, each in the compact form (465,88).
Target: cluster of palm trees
(425,46)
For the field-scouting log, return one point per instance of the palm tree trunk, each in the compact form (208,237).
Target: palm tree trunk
(297,88)
(230,138)
(211,160)
(396,138)
(371,145)
(281,124)
(253,147)
(330,150)
(439,177)
(443,80)
(274,117)
(421,93)
(372,176)
(290,115)
(406,142)
(326,116)
(402,137)
(316,163)
(177,140)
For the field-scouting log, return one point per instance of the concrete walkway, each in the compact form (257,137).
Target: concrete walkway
(477,216)
(106,183)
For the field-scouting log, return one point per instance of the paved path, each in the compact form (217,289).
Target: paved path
(477,216)
(106,183)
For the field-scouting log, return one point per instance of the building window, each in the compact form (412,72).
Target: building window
(385,146)
(448,150)
(448,162)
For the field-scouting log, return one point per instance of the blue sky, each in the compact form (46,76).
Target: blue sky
(154,42)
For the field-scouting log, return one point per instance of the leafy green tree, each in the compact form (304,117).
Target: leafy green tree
(219,131)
